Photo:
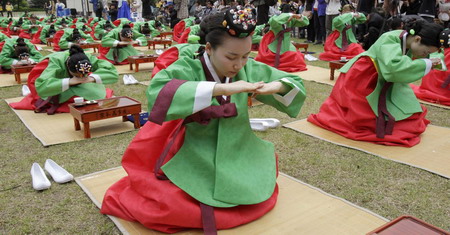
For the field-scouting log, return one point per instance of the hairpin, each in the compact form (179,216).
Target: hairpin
(83,67)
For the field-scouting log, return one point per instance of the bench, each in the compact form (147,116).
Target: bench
(159,42)
(301,45)
(21,68)
(336,64)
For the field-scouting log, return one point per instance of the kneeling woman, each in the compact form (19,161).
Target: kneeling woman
(276,49)
(342,41)
(435,86)
(69,37)
(372,100)
(118,44)
(18,51)
(198,105)
(61,76)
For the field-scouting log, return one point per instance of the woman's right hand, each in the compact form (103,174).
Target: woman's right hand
(236,87)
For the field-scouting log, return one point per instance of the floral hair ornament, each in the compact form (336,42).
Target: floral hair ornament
(444,38)
(412,31)
(84,67)
(239,22)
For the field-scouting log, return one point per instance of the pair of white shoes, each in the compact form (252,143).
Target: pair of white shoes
(262,124)
(40,180)
(128,79)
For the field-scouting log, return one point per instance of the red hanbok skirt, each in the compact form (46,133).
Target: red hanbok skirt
(184,36)
(178,30)
(348,113)
(332,52)
(36,37)
(160,204)
(430,90)
(165,59)
(290,61)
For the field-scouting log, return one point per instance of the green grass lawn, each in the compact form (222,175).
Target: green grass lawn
(388,188)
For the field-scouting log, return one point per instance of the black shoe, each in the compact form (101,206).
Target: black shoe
(318,43)
(308,41)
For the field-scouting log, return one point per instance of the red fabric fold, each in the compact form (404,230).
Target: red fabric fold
(159,204)
(290,61)
(431,89)
(332,52)
(178,30)
(36,39)
(165,59)
(56,39)
(184,36)
(348,113)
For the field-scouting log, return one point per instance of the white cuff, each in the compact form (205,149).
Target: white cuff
(429,64)
(69,44)
(139,42)
(65,84)
(203,95)
(115,43)
(287,99)
(15,62)
(97,78)
(31,60)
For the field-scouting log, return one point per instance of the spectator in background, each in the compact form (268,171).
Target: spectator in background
(428,10)
(410,7)
(332,11)
(365,7)
(113,12)
(319,9)
(1,10)
(9,8)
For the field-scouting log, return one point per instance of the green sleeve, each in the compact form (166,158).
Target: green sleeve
(109,39)
(34,54)
(341,21)
(3,37)
(63,43)
(289,103)
(47,84)
(6,56)
(87,37)
(107,72)
(183,101)
(43,35)
(140,37)
(396,67)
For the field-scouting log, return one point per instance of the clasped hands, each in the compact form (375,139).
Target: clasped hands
(124,43)
(258,88)
(80,80)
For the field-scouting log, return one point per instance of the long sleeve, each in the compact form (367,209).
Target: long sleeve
(6,56)
(289,103)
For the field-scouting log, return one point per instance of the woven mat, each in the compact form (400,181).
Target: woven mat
(434,104)
(301,208)
(318,74)
(431,154)
(59,128)
(9,79)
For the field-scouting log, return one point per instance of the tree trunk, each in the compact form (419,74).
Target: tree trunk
(182,9)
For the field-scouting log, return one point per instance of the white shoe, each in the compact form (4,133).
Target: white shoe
(159,51)
(132,80)
(59,174)
(125,79)
(259,125)
(25,90)
(40,180)
(272,122)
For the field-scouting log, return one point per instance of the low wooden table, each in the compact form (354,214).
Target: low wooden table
(49,42)
(94,45)
(105,108)
(336,64)
(138,59)
(165,34)
(19,68)
(301,45)
(408,225)
(160,42)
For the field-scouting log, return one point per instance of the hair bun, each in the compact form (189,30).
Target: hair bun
(75,49)
(126,26)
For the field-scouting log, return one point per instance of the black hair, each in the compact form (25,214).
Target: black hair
(212,30)
(396,23)
(429,32)
(76,57)
(83,28)
(51,30)
(126,31)
(76,35)
(157,23)
(107,24)
(21,48)
(145,29)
